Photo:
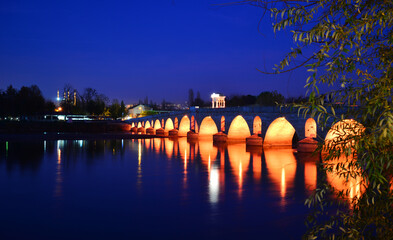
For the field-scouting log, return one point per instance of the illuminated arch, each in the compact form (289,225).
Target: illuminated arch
(257,125)
(344,128)
(222,124)
(157,124)
(239,129)
(279,133)
(184,126)
(208,127)
(147,124)
(169,124)
(310,128)
(176,123)
(132,124)
(139,124)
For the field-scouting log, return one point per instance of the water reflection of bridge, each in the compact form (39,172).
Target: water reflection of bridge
(242,164)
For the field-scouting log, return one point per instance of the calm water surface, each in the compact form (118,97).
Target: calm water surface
(151,188)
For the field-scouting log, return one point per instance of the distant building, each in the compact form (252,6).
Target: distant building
(218,101)
(136,111)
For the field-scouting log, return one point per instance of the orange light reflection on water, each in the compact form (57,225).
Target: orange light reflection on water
(281,168)
(239,160)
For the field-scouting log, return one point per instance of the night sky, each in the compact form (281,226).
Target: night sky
(132,49)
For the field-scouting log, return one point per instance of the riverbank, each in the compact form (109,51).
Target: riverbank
(12,127)
(72,136)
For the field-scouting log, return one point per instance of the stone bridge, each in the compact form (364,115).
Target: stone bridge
(270,126)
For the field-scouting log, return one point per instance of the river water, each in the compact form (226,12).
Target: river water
(150,189)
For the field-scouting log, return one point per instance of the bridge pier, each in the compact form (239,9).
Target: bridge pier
(150,131)
(173,133)
(134,130)
(254,140)
(160,132)
(307,145)
(192,135)
(141,130)
(220,137)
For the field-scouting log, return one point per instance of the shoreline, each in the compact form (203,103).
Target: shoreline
(73,136)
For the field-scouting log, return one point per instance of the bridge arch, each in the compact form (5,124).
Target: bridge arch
(169,124)
(279,133)
(132,124)
(238,129)
(257,125)
(157,124)
(344,128)
(310,128)
(208,127)
(184,126)
(147,124)
(139,124)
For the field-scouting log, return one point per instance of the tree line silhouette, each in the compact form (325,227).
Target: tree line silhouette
(28,102)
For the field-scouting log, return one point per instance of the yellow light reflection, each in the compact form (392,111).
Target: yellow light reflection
(310,175)
(281,168)
(157,144)
(58,192)
(214,185)
(207,152)
(169,147)
(350,186)
(239,160)
(139,172)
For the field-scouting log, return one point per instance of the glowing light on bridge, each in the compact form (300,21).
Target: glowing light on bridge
(184,126)
(279,133)
(208,128)
(257,125)
(310,128)
(238,130)
(169,124)
(147,124)
(157,124)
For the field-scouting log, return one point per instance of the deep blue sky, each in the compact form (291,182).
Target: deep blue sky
(132,49)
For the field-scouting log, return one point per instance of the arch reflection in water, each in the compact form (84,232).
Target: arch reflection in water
(239,161)
(157,144)
(350,186)
(169,147)
(281,168)
(207,152)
